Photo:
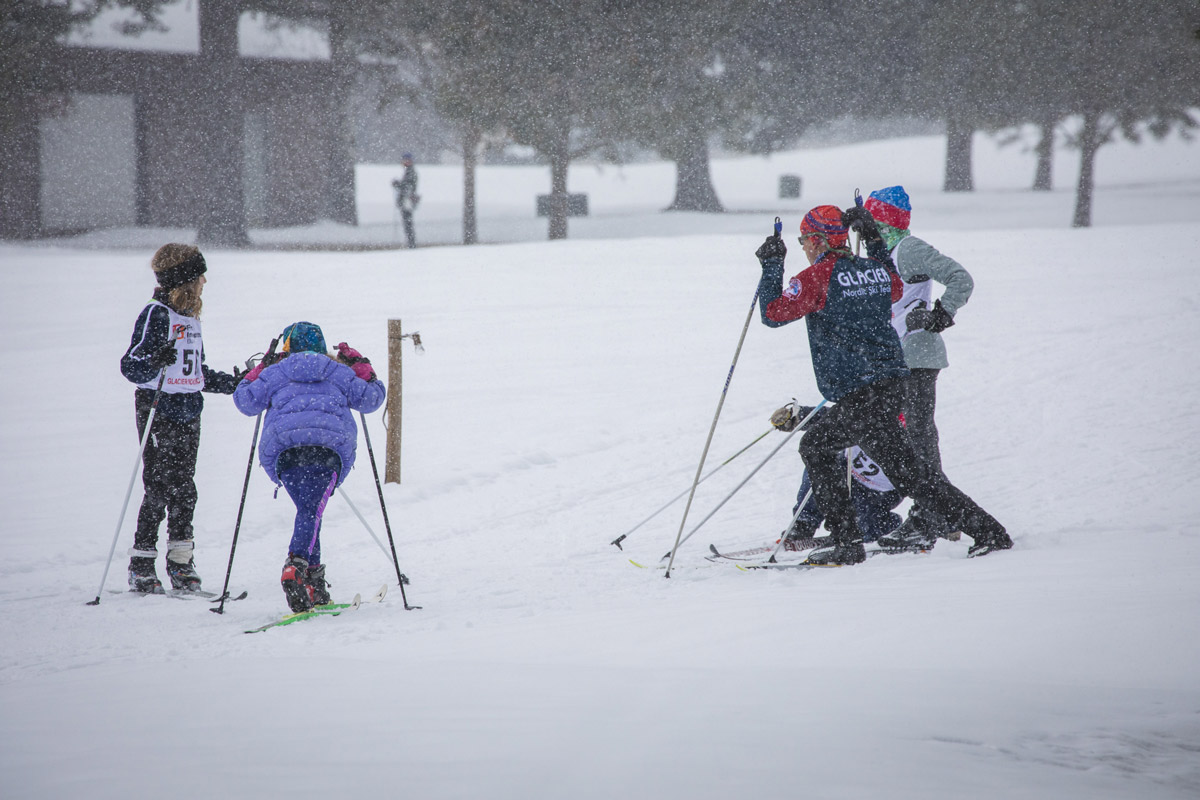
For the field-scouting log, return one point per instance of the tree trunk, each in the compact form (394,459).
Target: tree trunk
(339,200)
(1042,176)
(693,180)
(559,163)
(21,175)
(470,158)
(958,156)
(219,113)
(1089,143)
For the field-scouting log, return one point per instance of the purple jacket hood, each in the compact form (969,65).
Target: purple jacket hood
(308,399)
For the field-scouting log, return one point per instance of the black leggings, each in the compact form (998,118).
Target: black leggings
(920,402)
(168,472)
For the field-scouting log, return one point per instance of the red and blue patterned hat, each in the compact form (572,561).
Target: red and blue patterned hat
(891,207)
(827,222)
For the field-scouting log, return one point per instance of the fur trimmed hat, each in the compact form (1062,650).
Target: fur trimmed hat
(891,207)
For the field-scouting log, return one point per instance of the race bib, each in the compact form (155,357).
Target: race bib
(867,472)
(186,374)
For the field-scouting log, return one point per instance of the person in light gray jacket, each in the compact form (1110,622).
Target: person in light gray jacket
(919,320)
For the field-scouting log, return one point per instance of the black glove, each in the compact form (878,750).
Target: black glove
(773,247)
(164,357)
(934,320)
(857,218)
(238,374)
(940,318)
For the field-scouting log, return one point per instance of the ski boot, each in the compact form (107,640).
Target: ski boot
(181,569)
(143,578)
(296,588)
(989,535)
(320,589)
(840,554)
(908,538)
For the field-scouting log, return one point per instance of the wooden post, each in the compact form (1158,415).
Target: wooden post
(395,382)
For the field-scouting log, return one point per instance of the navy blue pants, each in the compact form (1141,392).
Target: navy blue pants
(310,474)
(872,509)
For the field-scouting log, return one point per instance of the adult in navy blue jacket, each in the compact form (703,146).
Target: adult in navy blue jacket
(859,365)
(309,439)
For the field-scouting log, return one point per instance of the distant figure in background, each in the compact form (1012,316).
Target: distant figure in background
(407,197)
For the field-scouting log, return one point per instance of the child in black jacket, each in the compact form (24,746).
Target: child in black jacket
(166,352)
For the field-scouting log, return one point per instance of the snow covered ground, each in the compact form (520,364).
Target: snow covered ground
(565,394)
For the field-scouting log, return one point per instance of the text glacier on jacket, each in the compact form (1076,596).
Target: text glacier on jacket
(847,303)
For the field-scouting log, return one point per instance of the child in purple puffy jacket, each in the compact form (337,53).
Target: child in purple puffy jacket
(309,439)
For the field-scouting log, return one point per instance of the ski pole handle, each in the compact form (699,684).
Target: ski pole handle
(858,201)
(778,227)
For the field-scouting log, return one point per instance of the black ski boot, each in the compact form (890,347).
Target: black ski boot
(320,589)
(181,569)
(989,535)
(183,576)
(840,554)
(143,578)
(296,588)
(908,538)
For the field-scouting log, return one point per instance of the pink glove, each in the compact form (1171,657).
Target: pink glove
(347,354)
(356,361)
(254,373)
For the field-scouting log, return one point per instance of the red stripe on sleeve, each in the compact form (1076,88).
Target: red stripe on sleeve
(805,293)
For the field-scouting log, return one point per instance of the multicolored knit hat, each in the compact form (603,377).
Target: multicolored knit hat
(891,207)
(303,337)
(825,221)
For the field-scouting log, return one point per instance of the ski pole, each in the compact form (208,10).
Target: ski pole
(712,428)
(367,525)
(129,491)
(383,507)
(745,480)
(796,516)
(237,526)
(858,201)
(711,472)
(269,359)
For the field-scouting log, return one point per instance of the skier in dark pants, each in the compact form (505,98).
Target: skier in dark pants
(883,224)
(871,493)
(407,198)
(859,365)
(167,336)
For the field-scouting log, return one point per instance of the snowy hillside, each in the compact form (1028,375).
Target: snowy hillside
(565,394)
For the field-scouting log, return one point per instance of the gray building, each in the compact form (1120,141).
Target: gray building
(212,139)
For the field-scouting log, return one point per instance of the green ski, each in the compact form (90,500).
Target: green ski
(326,610)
